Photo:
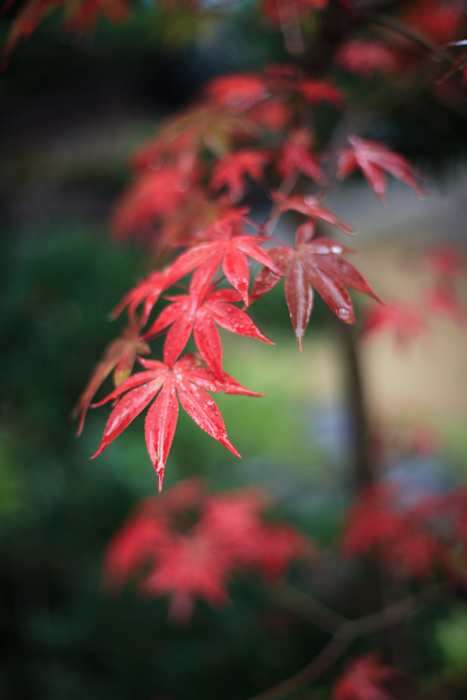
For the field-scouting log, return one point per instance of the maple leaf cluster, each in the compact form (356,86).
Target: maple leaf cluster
(187,201)
(414,539)
(417,28)
(187,543)
(441,22)
(77,16)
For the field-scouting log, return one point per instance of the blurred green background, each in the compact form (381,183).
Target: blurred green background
(73,106)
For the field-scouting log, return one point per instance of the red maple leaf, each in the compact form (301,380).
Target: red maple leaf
(129,550)
(232,170)
(193,559)
(274,114)
(446,260)
(169,385)
(373,520)
(224,245)
(238,91)
(406,321)
(295,155)
(317,91)
(147,531)
(441,299)
(78,15)
(365,57)
(313,263)
(154,194)
(374,159)
(181,146)
(120,357)
(273,549)
(363,679)
(439,21)
(246,539)
(199,312)
(405,538)
(148,290)
(187,569)
(309,205)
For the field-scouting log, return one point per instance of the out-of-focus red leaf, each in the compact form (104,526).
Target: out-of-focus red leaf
(363,679)
(295,155)
(442,300)
(366,57)
(155,194)
(374,159)
(439,21)
(227,533)
(131,547)
(410,539)
(78,15)
(406,321)
(317,91)
(446,260)
(188,569)
(238,91)
(148,290)
(309,205)
(274,114)
(232,170)
(273,549)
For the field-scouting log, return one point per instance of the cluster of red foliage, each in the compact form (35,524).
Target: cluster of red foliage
(187,543)
(187,203)
(442,22)
(413,540)
(186,199)
(363,679)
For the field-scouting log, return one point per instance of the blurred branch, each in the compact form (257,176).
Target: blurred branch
(344,633)
(308,608)
(401,29)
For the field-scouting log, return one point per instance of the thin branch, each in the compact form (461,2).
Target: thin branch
(306,607)
(320,664)
(398,611)
(396,26)
(346,632)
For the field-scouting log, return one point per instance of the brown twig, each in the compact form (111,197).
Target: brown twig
(320,664)
(308,608)
(396,26)
(344,631)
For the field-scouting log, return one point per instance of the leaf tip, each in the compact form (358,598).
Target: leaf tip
(160,475)
(226,442)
